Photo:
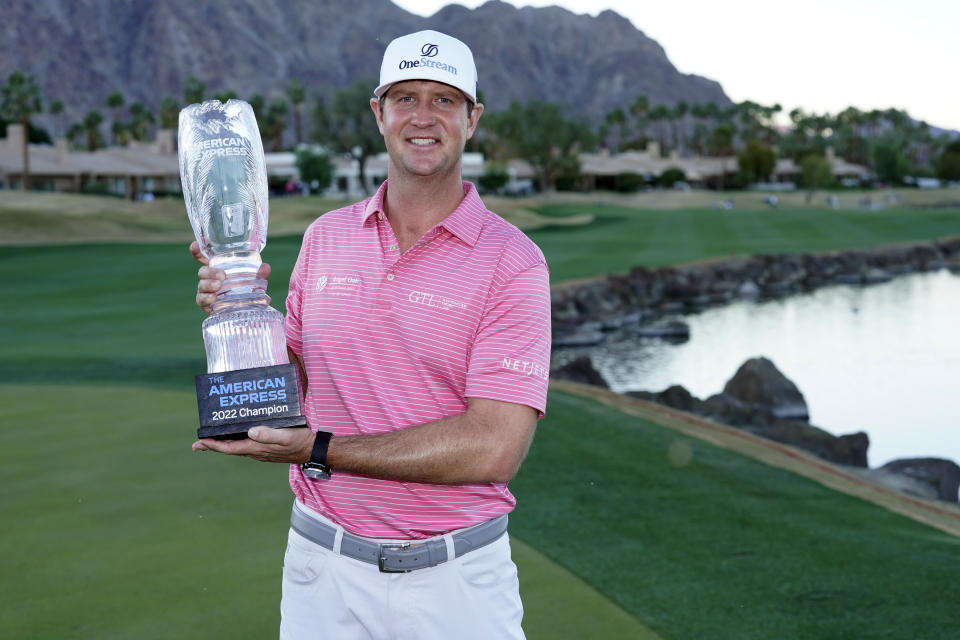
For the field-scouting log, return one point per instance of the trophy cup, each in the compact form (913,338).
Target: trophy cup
(249,380)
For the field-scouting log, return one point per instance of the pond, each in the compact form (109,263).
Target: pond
(884,359)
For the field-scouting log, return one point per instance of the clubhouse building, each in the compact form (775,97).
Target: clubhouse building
(142,169)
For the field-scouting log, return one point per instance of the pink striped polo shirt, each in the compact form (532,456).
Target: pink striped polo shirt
(391,340)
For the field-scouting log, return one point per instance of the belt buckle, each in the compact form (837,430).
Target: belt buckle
(381,558)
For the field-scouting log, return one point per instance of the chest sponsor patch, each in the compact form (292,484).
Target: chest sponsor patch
(436,301)
(339,284)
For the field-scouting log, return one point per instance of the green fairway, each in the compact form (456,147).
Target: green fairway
(118,313)
(122,312)
(129,534)
(725,547)
(137,536)
(115,529)
(621,238)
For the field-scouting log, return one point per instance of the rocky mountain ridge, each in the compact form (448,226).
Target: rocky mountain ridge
(82,51)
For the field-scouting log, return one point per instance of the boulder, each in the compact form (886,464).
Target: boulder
(666,328)
(581,370)
(748,289)
(850,450)
(676,397)
(579,338)
(942,475)
(761,421)
(760,385)
(726,409)
(898,482)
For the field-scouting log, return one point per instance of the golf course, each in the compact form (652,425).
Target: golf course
(629,523)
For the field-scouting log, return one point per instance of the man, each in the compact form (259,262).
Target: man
(421,323)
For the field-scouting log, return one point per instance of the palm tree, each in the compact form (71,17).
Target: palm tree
(639,109)
(658,114)
(21,99)
(616,118)
(121,132)
(55,109)
(258,104)
(169,113)
(348,125)
(75,134)
(275,122)
(193,90)
(91,127)
(297,95)
(141,121)
(114,102)
(680,111)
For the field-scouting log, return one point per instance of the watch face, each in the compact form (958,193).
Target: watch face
(315,471)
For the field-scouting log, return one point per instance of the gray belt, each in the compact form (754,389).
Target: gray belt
(398,557)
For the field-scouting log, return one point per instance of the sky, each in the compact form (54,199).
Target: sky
(819,55)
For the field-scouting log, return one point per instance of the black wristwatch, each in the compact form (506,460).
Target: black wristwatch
(316,467)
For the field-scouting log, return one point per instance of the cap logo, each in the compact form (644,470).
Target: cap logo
(429,50)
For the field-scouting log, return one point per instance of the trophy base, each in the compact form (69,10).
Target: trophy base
(230,402)
(238,430)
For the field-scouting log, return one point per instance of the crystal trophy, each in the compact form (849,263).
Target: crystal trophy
(250,380)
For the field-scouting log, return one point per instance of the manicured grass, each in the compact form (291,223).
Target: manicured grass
(110,516)
(130,534)
(621,238)
(724,547)
(118,313)
(115,529)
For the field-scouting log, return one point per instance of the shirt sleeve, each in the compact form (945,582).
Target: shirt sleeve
(510,359)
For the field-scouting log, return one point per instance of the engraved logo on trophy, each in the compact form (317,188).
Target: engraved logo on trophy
(249,379)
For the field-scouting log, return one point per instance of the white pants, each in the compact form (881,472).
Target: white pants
(332,597)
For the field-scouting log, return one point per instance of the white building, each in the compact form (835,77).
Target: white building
(125,171)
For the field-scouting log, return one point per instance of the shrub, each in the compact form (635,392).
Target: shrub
(315,167)
(495,177)
(670,176)
(630,182)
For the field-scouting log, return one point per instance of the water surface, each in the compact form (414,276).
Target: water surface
(884,359)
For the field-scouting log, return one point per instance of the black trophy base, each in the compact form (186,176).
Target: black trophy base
(238,430)
(231,402)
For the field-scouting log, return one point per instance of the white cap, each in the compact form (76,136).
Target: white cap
(429,55)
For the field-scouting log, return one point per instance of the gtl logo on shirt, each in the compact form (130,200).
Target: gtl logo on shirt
(433,300)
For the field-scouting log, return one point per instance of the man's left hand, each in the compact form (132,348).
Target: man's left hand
(291,445)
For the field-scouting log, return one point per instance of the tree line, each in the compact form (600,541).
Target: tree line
(889,142)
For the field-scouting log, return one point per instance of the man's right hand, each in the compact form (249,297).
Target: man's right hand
(211,279)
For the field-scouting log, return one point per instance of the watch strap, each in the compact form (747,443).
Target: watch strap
(320,443)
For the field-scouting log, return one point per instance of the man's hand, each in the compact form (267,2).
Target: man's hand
(211,279)
(292,445)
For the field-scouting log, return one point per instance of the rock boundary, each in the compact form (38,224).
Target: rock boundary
(582,310)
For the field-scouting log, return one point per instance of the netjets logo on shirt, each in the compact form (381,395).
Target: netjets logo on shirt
(526,367)
(321,283)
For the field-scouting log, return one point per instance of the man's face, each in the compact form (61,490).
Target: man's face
(425,126)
